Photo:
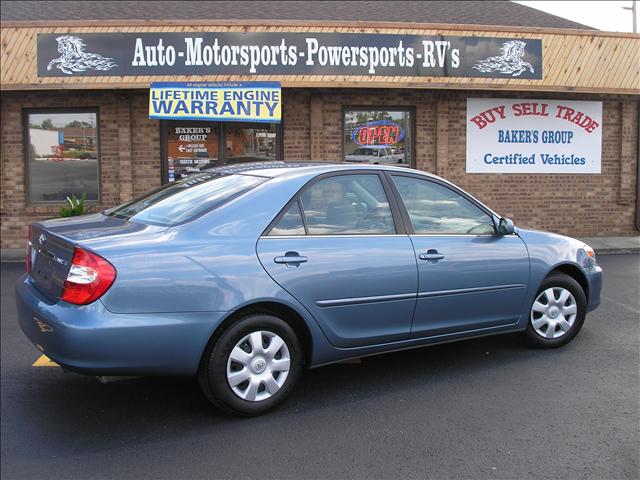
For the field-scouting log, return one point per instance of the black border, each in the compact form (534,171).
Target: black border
(412,127)
(27,144)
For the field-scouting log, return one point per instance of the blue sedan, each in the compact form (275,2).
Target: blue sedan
(241,276)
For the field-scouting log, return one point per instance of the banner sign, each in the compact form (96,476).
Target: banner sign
(225,101)
(256,53)
(533,136)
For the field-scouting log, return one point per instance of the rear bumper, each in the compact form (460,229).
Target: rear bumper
(91,339)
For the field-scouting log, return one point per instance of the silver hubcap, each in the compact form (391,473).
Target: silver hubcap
(553,312)
(258,366)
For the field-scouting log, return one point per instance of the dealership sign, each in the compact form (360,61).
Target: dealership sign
(533,136)
(222,101)
(268,53)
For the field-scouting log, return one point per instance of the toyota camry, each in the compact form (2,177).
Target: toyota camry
(243,276)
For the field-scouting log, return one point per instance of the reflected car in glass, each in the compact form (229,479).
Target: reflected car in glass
(243,275)
(375,156)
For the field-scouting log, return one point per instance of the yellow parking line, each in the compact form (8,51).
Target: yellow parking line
(44,361)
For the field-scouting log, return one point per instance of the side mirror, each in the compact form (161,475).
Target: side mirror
(506,227)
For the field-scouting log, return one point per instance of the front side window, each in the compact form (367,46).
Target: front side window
(185,199)
(62,155)
(347,204)
(378,136)
(436,209)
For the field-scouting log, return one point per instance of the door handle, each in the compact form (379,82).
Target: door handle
(291,258)
(431,255)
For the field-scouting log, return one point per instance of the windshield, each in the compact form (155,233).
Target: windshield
(186,199)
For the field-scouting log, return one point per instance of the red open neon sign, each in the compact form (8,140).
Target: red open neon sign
(378,133)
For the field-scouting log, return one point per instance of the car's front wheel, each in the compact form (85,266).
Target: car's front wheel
(557,313)
(252,366)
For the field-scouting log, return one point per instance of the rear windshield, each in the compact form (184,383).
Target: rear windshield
(185,199)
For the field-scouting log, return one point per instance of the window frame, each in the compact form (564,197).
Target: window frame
(222,152)
(412,127)
(406,218)
(26,142)
(386,187)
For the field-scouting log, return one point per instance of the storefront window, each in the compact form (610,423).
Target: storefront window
(62,155)
(191,147)
(378,136)
(250,142)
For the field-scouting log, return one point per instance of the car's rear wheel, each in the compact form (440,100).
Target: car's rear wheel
(252,366)
(557,313)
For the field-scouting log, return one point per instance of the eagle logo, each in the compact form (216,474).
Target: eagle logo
(509,63)
(73,58)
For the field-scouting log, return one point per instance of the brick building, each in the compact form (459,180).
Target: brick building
(79,128)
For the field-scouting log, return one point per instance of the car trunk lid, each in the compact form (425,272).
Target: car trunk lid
(53,243)
(50,260)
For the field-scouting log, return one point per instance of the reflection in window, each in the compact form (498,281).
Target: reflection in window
(191,147)
(291,223)
(378,137)
(250,142)
(62,155)
(347,204)
(186,199)
(436,209)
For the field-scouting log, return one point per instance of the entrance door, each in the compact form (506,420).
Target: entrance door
(469,278)
(344,260)
(190,146)
(251,142)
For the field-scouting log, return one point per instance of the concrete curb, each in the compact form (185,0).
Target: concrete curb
(613,245)
(12,255)
(602,246)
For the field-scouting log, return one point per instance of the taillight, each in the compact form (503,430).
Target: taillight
(28,250)
(89,277)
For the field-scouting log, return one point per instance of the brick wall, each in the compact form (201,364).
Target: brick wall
(578,205)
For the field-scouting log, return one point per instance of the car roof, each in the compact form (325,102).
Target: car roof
(281,168)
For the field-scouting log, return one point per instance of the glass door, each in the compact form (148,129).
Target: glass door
(190,146)
(251,142)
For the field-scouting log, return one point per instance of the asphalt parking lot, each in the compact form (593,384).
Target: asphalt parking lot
(486,408)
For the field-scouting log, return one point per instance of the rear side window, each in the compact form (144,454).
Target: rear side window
(347,205)
(186,199)
(291,222)
(339,205)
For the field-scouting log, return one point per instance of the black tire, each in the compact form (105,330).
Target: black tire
(212,375)
(559,280)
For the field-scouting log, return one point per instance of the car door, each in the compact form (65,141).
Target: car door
(469,278)
(385,156)
(341,252)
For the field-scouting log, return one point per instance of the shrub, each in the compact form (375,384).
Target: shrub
(75,206)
